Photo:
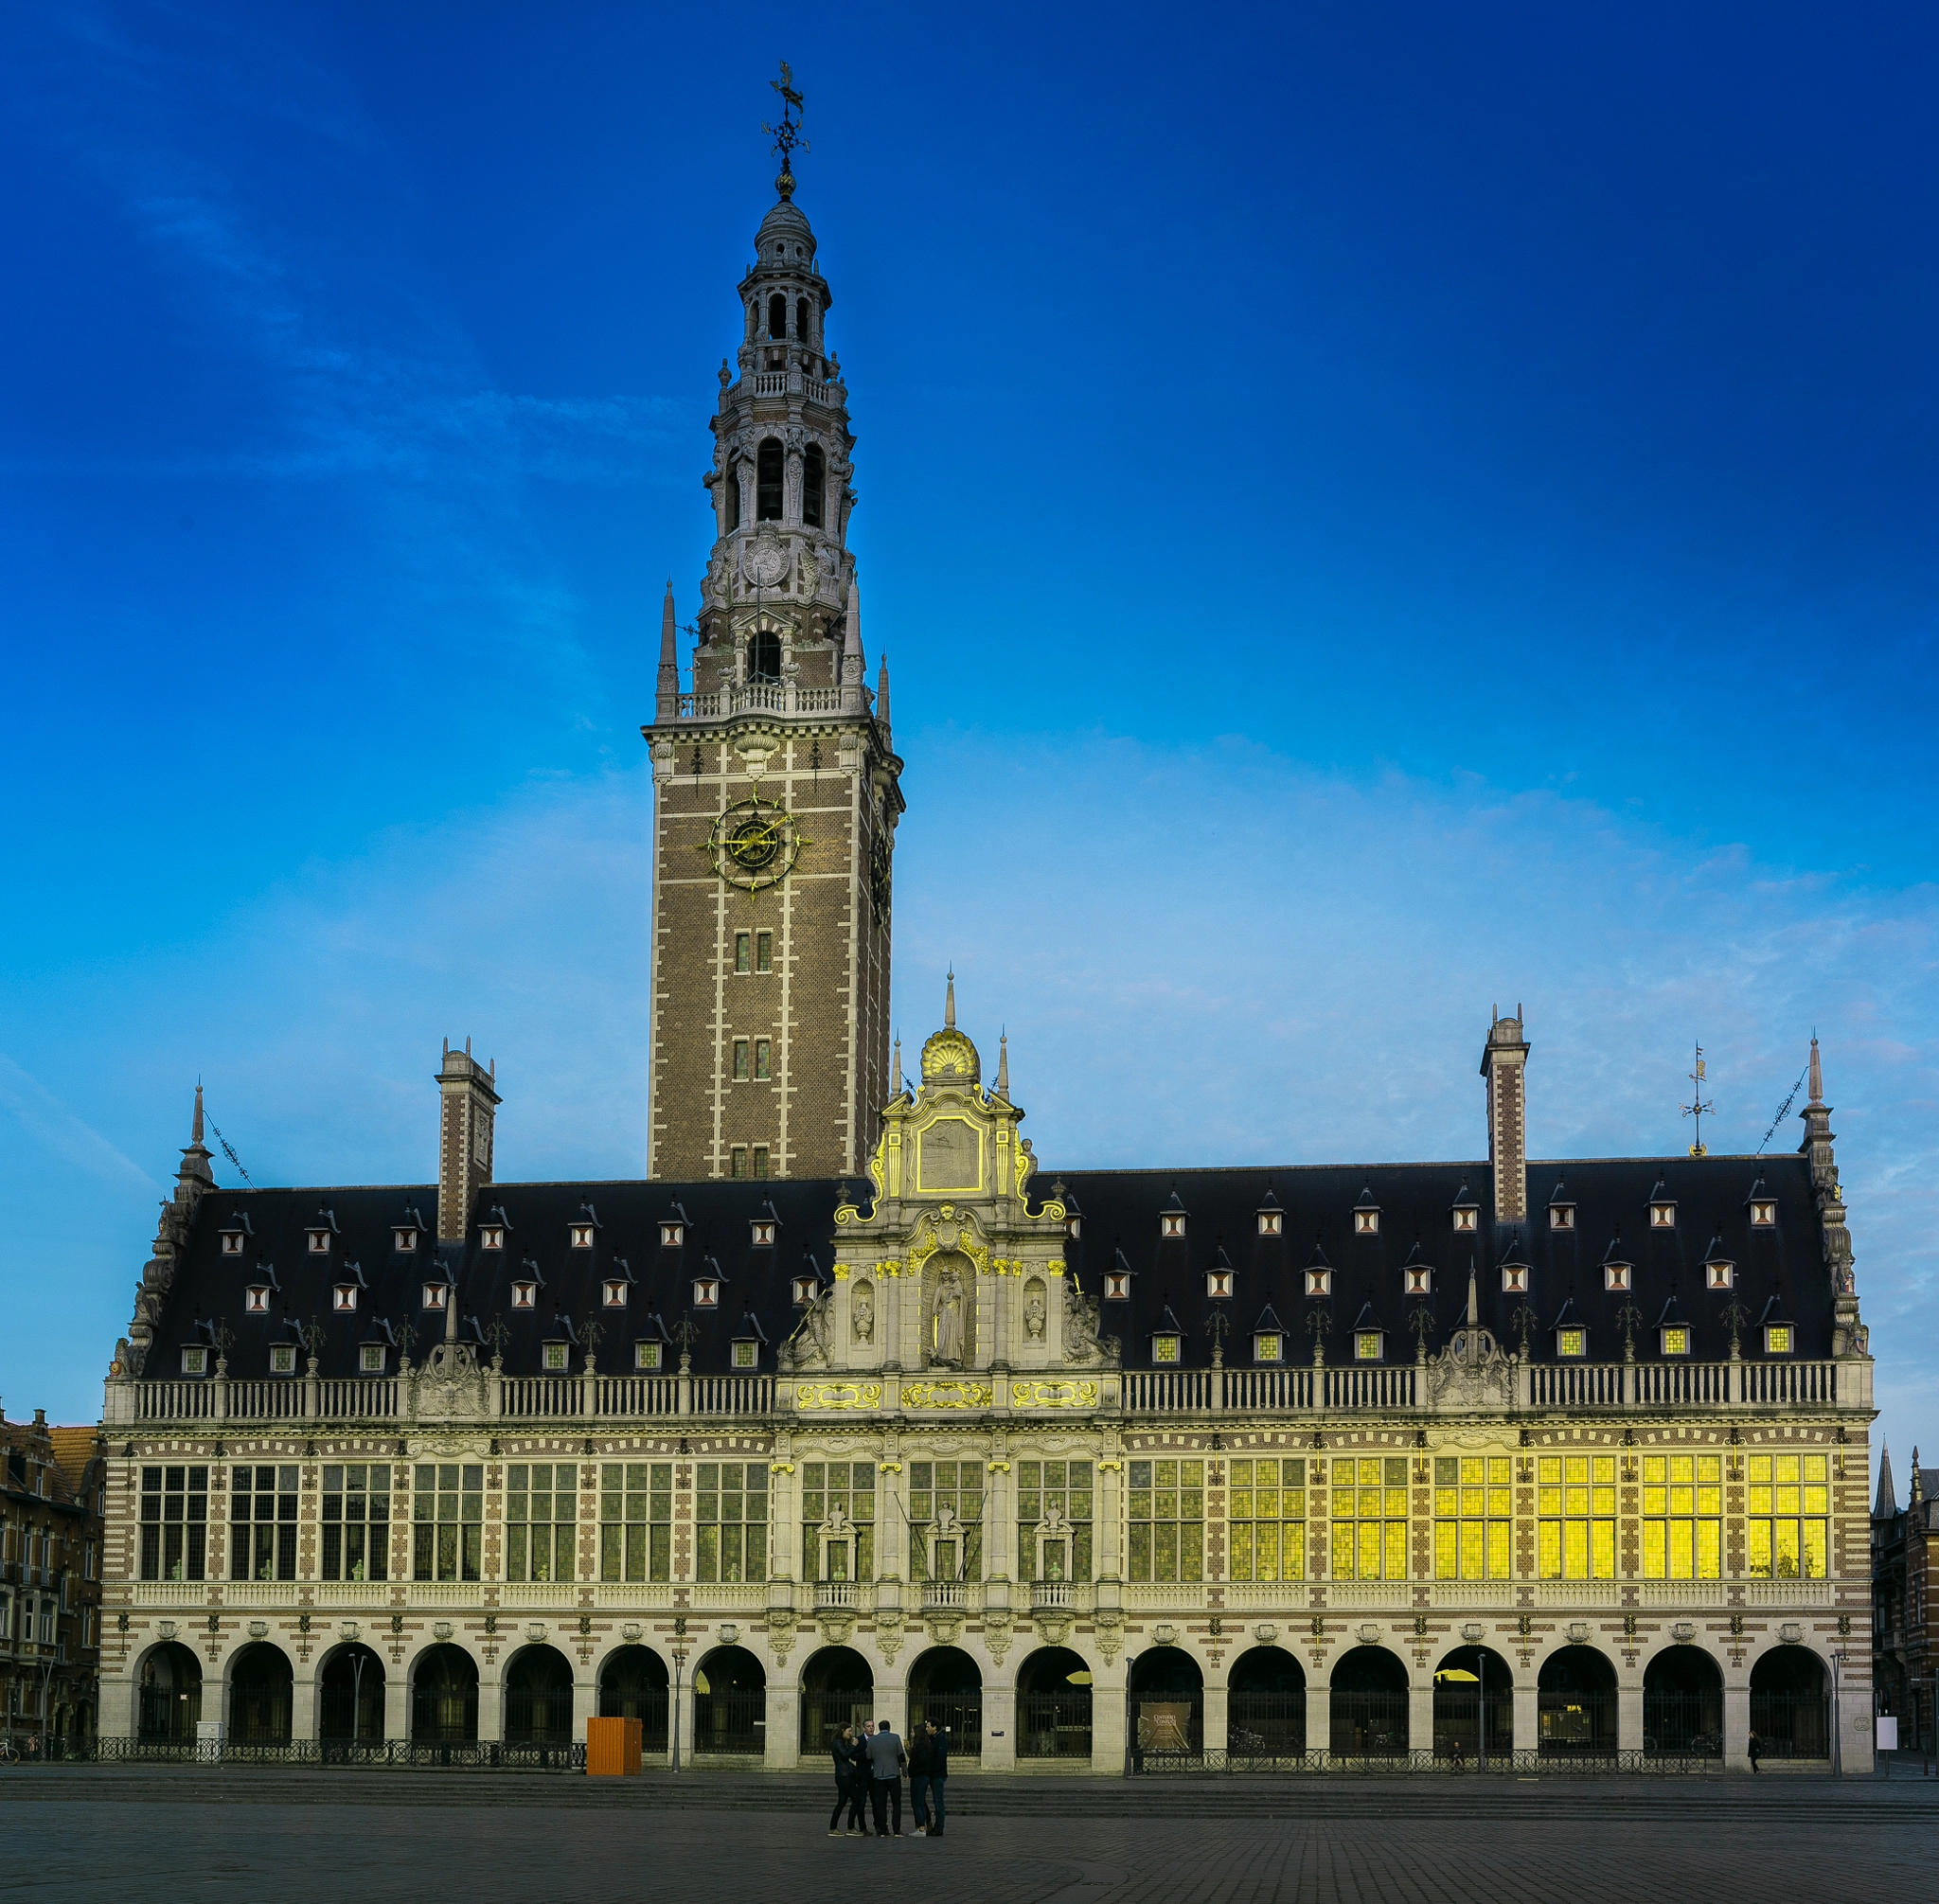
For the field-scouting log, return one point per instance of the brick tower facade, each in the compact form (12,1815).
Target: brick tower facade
(776,789)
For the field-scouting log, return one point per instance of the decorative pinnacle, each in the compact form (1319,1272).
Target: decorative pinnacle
(1003,1065)
(785,135)
(195,1130)
(950,1000)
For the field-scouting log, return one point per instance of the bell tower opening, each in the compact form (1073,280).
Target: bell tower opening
(770,465)
(764,655)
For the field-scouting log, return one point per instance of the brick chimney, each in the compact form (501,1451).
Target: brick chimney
(1503,1063)
(467,1105)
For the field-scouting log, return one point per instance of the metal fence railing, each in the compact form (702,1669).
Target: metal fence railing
(475,1755)
(1054,1725)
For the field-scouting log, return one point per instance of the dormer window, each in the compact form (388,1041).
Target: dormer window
(232,1242)
(706,1293)
(1420,1282)
(525,1293)
(1562,1216)
(1572,1344)
(319,1242)
(1218,1284)
(1165,1347)
(762,1231)
(255,1299)
(1515,1279)
(1615,1275)
(614,1290)
(747,1355)
(1369,1344)
(282,1358)
(491,1236)
(1676,1339)
(1777,1339)
(1318,1282)
(195,1362)
(1073,1227)
(1272,1223)
(370,1358)
(343,1298)
(1662,1214)
(805,1290)
(1466,1216)
(1117,1285)
(1171,1223)
(1367,1222)
(1718,1274)
(1763,1213)
(436,1295)
(672,1236)
(646,1355)
(579,1236)
(404,1240)
(557,1356)
(1268,1345)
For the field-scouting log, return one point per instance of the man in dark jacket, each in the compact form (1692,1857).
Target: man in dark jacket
(929,1771)
(885,1762)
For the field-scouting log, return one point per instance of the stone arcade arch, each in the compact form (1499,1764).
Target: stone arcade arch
(1791,1704)
(837,1689)
(1165,1689)
(946,1688)
(1475,1705)
(168,1690)
(1053,1704)
(261,1692)
(1367,1706)
(1266,1705)
(632,1685)
(538,1697)
(1576,1704)
(1682,1704)
(444,1696)
(349,1705)
(730,1704)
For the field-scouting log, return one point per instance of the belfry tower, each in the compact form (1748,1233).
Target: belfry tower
(776,789)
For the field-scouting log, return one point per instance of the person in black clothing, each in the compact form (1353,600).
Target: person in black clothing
(851,1787)
(919,1776)
(938,1773)
(929,1769)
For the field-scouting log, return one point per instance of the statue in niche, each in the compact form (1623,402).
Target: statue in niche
(1035,1311)
(862,1312)
(946,1322)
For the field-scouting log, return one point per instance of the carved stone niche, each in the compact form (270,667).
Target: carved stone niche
(1055,1625)
(949,1310)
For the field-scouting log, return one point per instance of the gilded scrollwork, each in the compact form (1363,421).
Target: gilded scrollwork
(946,1395)
(1054,1395)
(837,1394)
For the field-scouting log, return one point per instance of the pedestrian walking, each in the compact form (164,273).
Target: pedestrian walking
(919,1777)
(938,1742)
(1756,1751)
(886,1760)
(850,1784)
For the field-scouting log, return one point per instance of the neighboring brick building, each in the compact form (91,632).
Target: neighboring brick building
(1905,1603)
(50,1580)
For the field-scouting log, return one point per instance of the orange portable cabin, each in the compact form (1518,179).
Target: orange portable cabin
(613,1747)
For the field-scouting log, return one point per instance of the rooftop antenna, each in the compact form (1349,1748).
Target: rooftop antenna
(787,135)
(1783,1110)
(1699,1107)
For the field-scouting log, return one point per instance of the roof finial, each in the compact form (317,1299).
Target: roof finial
(1699,1107)
(1474,1298)
(882,692)
(950,1000)
(1817,1074)
(1003,1064)
(195,1129)
(787,135)
(896,1089)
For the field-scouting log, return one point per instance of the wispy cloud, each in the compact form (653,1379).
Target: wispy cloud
(48,1123)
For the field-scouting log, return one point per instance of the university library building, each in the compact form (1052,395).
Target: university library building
(848,1409)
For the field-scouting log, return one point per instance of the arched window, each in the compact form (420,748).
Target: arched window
(801,320)
(769,464)
(764,655)
(812,469)
(777,315)
(732,479)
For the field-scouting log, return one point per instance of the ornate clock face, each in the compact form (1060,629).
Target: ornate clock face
(878,877)
(754,844)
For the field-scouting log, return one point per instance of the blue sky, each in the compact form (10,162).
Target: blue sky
(1375,512)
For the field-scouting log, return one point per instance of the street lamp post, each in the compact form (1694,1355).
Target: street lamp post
(678,1667)
(1837,1752)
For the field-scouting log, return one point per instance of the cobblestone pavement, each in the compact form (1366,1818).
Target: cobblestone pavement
(1811,1841)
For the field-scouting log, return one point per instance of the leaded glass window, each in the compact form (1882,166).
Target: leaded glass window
(446,1521)
(174,1523)
(1788,1529)
(1167,1516)
(1474,1517)
(1682,1517)
(1058,1491)
(1575,1498)
(1369,1517)
(949,1495)
(1267,1513)
(844,1489)
(356,1522)
(731,1521)
(636,1520)
(262,1523)
(542,1505)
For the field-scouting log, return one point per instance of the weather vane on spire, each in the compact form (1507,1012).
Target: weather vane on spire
(787,135)
(1698,1108)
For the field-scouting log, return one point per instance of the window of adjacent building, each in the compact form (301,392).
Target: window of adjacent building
(174,1523)
(542,1505)
(763,1058)
(1267,1515)
(763,951)
(1065,1488)
(812,474)
(1474,1517)
(356,1522)
(1168,1517)
(951,1493)
(731,1521)
(761,1162)
(1682,1517)
(738,1160)
(636,1519)
(1369,1517)
(743,954)
(768,466)
(262,1523)
(849,1485)
(740,1060)
(448,1516)
(1575,1500)
(1788,1501)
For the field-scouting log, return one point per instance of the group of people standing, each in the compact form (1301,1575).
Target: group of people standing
(868,1778)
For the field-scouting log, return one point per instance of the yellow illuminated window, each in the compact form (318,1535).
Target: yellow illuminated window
(1682,1517)
(1777,1339)
(1473,1516)
(1370,1518)
(1168,1517)
(1165,1349)
(1267,1518)
(1675,1342)
(1790,1504)
(1575,1499)
(1366,1346)
(1570,1341)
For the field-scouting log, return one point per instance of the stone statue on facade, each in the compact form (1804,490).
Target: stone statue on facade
(861,1314)
(947,1323)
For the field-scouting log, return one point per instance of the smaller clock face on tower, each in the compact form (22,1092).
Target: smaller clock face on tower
(754,844)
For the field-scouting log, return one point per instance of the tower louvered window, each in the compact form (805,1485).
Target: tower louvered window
(814,484)
(769,464)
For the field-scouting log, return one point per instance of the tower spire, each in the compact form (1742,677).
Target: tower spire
(853,665)
(667,701)
(1003,1065)
(195,1129)
(882,693)
(950,1000)
(1817,1078)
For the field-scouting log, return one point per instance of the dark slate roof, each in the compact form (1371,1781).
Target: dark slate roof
(1120,1214)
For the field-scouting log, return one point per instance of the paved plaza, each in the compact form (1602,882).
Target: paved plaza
(81,1834)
